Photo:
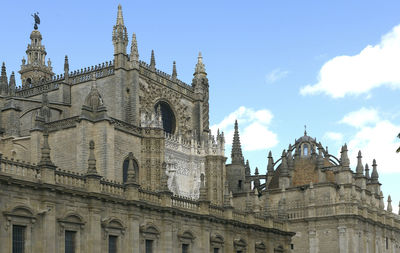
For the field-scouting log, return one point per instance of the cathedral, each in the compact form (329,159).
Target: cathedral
(119,157)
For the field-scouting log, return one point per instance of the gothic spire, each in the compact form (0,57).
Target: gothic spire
(152,60)
(120,40)
(120,18)
(12,86)
(92,160)
(284,166)
(227,199)
(3,79)
(203,189)
(344,159)
(66,64)
(374,174)
(320,159)
(389,204)
(236,155)
(174,73)
(367,171)
(200,68)
(359,168)
(247,168)
(134,56)
(45,159)
(270,166)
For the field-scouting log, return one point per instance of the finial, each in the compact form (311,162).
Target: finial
(3,75)
(284,166)
(399,208)
(344,159)
(203,189)
(66,64)
(270,166)
(164,177)
(367,171)
(256,172)
(359,168)
(305,130)
(247,168)
(200,68)
(152,60)
(174,73)
(12,85)
(45,159)
(120,19)
(92,160)
(227,200)
(134,49)
(374,174)
(389,205)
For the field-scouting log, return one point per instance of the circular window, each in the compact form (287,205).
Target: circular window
(168,117)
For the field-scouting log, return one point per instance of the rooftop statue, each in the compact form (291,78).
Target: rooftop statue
(37,20)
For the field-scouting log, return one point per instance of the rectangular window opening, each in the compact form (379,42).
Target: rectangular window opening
(149,246)
(18,239)
(216,250)
(292,246)
(185,248)
(112,244)
(387,243)
(70,241)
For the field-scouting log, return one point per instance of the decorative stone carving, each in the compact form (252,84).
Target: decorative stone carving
(150,93)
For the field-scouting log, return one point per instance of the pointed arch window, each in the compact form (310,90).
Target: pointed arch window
(168,116)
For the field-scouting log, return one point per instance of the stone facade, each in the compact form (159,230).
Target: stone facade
(330,207)
(118,155)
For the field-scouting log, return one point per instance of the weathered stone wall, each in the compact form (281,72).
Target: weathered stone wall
(47,212)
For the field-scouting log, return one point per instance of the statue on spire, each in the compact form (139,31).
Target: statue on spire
(37,20)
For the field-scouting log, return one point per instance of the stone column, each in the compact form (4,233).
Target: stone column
(94,238)
(166,239)
(313,241)
(49,227)
(343,240)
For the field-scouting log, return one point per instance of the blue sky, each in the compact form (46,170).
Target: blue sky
(275,65)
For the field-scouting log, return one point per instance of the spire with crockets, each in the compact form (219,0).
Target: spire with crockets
(237,156)
(120,39)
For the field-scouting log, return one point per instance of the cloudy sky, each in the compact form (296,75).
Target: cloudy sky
(276,66)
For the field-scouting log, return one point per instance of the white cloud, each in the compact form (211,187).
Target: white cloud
(373,67)
(334,136)
(275,75)
(253,128)
(375,137)
(377,142)
(361,117)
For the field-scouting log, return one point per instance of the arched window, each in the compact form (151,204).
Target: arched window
(168,117)
(305,150)
(125,167)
